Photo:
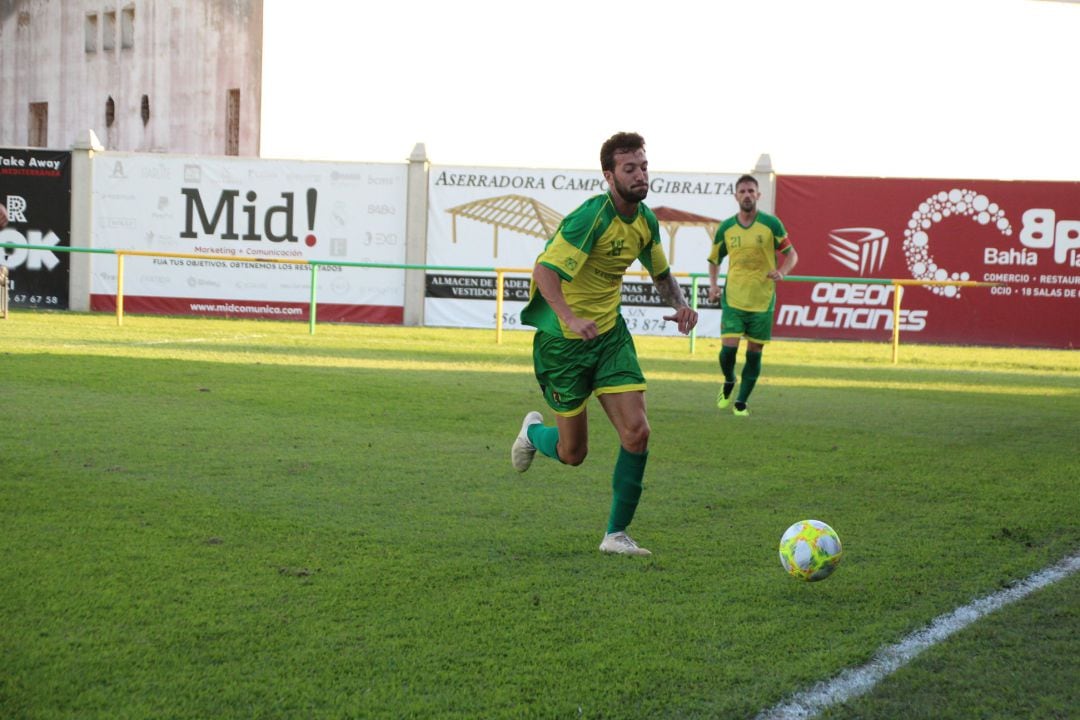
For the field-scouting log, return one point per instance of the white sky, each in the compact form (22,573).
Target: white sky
(909,88)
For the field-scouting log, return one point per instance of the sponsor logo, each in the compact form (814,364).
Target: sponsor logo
(337,175)
(860,249)
(7,161)
(156,172)
(850,306)
(957,202)
(16,208)
(863,249)
(1042,230)
(117,223)
(487,180)
(34,260)
(277,221)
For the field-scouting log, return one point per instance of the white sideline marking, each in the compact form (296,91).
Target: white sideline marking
(172,341)
(857,681)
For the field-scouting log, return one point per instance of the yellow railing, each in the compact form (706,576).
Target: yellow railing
(898,291)
(500,277)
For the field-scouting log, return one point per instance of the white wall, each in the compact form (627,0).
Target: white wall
(185,57)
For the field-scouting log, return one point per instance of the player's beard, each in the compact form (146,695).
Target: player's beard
(631,196)
(748,205)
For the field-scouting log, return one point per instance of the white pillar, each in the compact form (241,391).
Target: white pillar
(82,218)
(416,235)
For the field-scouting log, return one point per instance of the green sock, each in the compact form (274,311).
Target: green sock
(545,438)
(727,362)
(626,485)
(750,372)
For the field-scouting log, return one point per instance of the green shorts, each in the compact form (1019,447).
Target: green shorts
(756,326)
(569,371)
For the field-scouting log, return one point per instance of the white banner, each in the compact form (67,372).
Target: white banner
(247,209)
(502,217)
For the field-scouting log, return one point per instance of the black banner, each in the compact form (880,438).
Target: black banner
(643,294)
(35,191)
(482,287)
(476,287)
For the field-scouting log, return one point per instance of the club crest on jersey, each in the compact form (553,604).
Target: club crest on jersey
(616,247)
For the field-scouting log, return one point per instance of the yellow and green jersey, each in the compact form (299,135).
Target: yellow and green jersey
(591,251)
(751,253)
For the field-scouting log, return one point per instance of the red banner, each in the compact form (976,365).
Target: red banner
(251,309)
(1023,234)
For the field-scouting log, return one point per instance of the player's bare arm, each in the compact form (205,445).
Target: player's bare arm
(714,286)
(672,294)
(791,258)
(549,284)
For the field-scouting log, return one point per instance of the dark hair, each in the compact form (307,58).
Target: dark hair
(619,142)
(746,178)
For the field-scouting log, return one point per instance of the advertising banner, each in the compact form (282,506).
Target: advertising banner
(35,191)
(1023,234)
(502,218)
(244,210)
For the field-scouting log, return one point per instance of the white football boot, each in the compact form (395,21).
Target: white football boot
(620,543)
(523,451)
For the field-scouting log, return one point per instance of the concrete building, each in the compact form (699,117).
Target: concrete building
(178,76)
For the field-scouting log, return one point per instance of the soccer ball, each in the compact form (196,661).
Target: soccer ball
(810,550)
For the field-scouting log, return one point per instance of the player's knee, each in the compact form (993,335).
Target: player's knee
(636,437)
(573,456)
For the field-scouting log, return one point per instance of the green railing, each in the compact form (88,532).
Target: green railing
(500,275)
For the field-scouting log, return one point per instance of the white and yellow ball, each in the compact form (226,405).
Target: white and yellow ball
(810,550)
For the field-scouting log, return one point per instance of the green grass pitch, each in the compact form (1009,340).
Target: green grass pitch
(236,519)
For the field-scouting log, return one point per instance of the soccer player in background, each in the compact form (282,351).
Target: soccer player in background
(750,240)
(582,345)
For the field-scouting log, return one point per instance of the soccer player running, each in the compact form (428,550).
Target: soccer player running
(582,345)
(750,240)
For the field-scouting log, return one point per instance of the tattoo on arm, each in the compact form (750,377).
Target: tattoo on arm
(670,292)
